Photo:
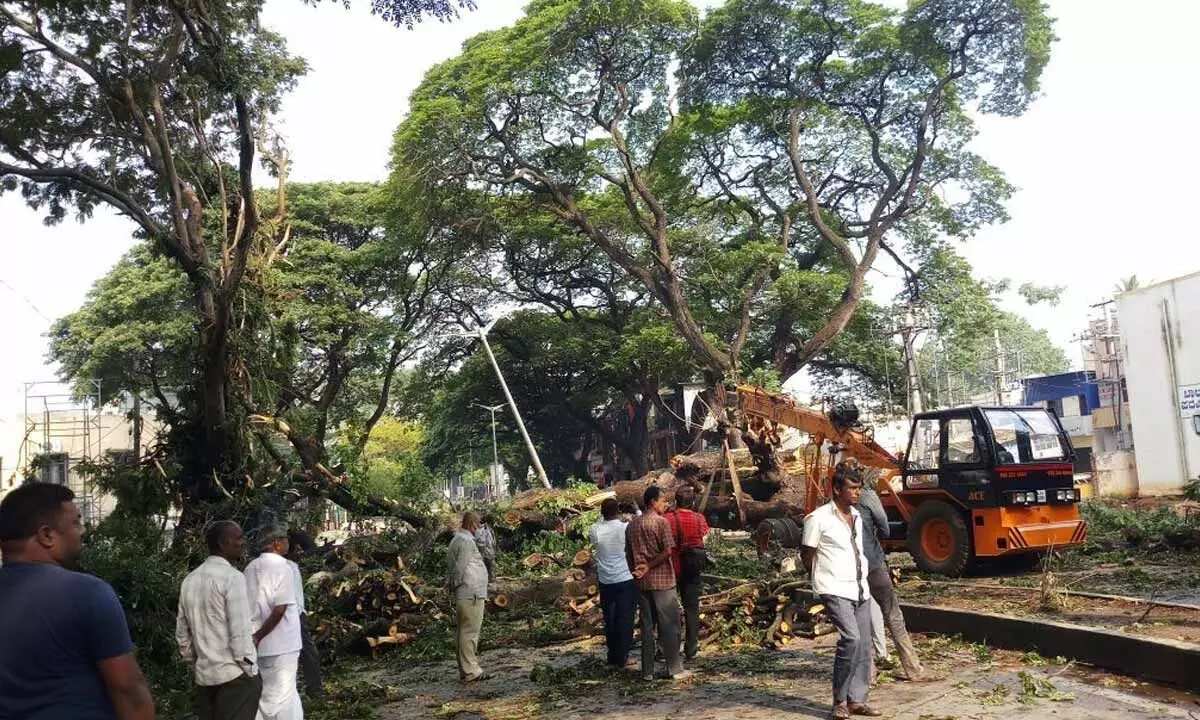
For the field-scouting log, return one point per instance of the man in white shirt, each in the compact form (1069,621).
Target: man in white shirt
(275,612)
(833,554)
(213,630)
(618,592)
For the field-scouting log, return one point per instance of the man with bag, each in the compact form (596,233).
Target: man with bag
(690,559)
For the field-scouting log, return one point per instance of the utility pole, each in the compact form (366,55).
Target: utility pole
(481,333)
(999,367)
(912,379)
(512,404)
(495,453)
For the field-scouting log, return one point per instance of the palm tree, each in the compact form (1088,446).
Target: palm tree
(1128,284)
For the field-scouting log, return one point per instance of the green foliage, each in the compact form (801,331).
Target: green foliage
(408,13)
(571,378)
(1191,490)
(702,201)
(1136,526)
(391,464)
(966,314)
(129,553)
(1034,294)
(1037,688)
(136,331)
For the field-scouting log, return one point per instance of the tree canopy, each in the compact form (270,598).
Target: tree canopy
(738,154)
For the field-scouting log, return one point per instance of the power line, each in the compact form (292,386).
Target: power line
(26,300)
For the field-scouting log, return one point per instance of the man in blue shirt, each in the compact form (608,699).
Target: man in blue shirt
(65,650)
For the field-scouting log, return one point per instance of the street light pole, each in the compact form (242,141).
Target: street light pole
(495,453)
(512,404)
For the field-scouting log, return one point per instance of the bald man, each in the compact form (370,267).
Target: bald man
(467,578)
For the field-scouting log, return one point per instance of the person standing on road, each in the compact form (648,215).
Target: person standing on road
(688,528)
(65,649)
(618,592)
(212,629)
(467,578)
(485,540)
(310,661)
(648,543)
(879,580)
(275,611)
(833,555)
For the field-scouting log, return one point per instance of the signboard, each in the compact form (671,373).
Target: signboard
(1189,400)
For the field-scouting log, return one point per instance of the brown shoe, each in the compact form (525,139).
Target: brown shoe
(841,711)
(864,710)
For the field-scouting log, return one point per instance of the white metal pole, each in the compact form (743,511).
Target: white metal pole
(495,456)
(537,462)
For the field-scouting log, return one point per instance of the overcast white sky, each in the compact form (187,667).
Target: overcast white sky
(1105,162)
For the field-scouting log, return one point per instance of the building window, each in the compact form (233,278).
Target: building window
(52,468)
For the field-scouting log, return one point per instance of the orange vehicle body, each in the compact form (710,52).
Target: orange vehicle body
(985,513)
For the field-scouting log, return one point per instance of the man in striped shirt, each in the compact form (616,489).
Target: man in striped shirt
(648,544)
(213,630)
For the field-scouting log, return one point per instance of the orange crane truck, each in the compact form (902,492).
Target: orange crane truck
(974,483)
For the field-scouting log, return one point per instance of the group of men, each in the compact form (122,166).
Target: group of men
(246,635)
(67,652)
(642,564)
(65,648)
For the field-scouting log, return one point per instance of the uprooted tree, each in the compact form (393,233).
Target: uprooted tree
(761,151)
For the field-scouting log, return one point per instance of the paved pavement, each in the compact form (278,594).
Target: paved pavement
(570,682)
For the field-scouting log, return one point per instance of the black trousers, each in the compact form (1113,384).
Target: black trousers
(617,604)
(310,662)
(234,700)
(689,595)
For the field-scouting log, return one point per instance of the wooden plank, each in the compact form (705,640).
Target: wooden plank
(707,489)
(737,484)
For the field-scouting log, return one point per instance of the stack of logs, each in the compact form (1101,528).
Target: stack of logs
(361,605)
(772,612)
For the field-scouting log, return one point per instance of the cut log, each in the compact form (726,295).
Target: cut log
(533,560)
(500,601)
(583,558)
(709,460)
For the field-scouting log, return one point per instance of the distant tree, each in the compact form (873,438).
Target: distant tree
(1128,284)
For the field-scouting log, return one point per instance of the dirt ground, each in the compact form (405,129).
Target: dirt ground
(570,681)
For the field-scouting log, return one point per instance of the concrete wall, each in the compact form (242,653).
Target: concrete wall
(1115,474)
(1160,333)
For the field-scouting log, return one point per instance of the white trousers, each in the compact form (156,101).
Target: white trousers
(878,633)
(280,697)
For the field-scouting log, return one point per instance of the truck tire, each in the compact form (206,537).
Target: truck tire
(940,540)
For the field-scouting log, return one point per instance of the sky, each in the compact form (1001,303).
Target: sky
(1104,162)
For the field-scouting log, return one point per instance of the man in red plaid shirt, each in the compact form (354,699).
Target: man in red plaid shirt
(688,529)
(648,544)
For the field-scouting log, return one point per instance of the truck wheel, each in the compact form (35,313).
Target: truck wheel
(939,539)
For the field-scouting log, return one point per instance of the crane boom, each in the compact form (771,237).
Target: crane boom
(784,411)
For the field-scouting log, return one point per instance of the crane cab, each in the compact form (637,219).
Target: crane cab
(980,482)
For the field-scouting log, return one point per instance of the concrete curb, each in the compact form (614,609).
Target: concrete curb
(1165,661)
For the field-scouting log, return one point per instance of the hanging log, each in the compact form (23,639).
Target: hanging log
(710,460)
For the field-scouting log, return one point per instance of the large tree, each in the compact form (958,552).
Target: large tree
(699,154)
(330,316)
(156,110)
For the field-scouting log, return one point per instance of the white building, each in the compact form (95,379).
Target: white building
(1160,333)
